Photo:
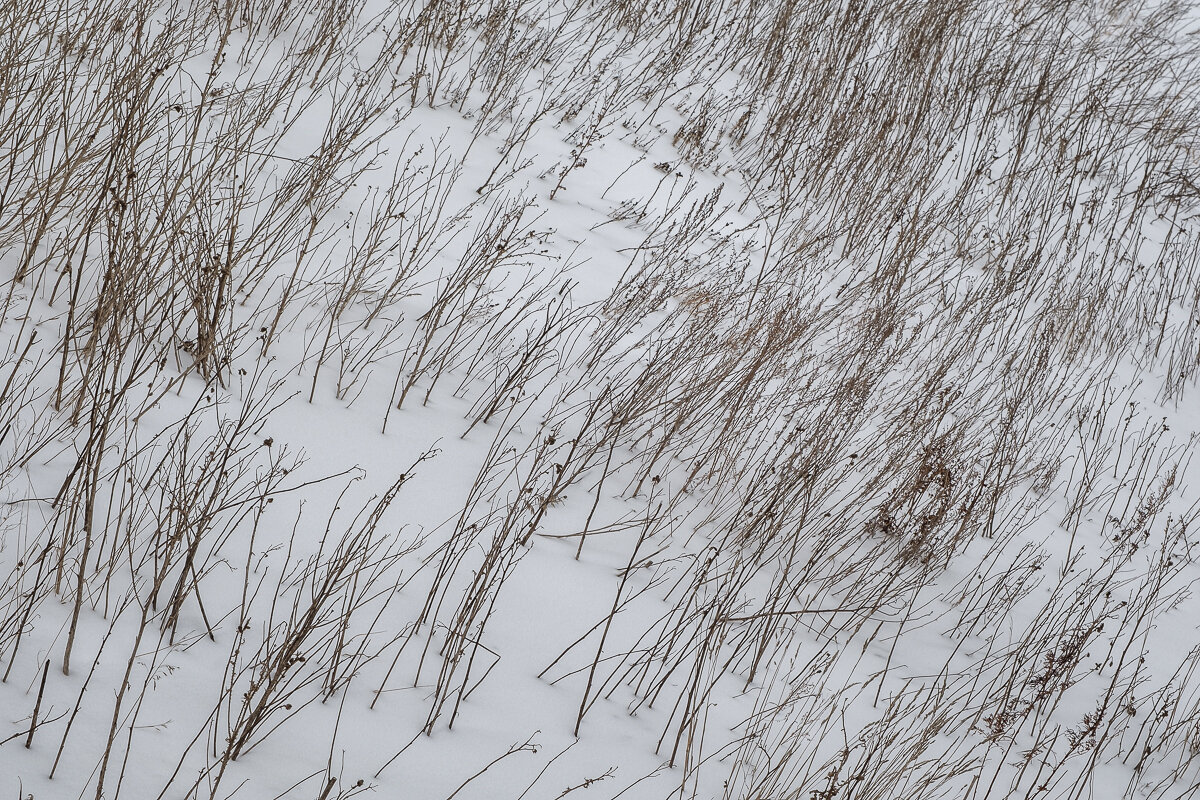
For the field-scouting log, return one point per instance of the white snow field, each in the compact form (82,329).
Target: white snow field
(529,399)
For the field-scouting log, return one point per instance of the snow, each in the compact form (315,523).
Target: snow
(518,400)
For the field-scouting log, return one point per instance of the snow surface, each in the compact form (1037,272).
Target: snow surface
(883,463)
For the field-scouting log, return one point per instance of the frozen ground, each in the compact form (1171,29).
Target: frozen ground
(520,400)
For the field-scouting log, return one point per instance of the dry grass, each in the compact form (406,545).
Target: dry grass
(877,364)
